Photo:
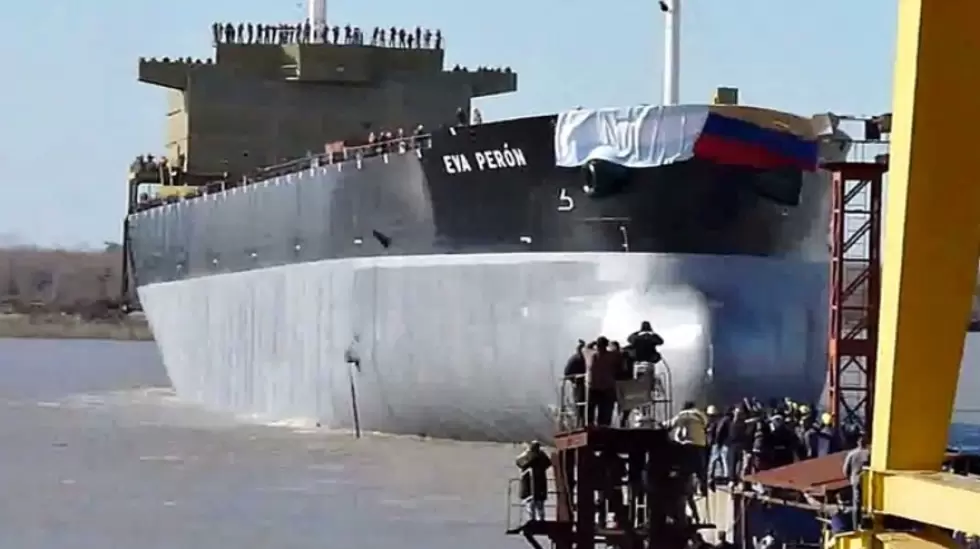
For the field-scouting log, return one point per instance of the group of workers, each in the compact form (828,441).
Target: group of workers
(306,33)
(744,438)
(751,437)
(386,141)
(718,446)
(722,446)
(159,170)
(595,368)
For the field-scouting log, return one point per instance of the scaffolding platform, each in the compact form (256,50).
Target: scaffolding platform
(616,487)
(617,439)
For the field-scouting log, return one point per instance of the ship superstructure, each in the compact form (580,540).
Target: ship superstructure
(255,105)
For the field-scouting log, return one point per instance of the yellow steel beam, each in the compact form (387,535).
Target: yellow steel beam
(941,499)
(929,539)
(932,233)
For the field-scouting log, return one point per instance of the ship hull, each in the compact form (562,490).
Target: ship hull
(472,346)
(462,270)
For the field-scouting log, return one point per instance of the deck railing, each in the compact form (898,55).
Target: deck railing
(354,154)
(402,145)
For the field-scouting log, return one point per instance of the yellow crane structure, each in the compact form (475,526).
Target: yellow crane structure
(931,250)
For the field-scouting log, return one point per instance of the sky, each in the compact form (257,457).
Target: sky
(75,116)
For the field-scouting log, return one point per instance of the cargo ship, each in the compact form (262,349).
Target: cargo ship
(460,260)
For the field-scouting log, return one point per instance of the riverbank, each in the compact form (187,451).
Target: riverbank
(59,326)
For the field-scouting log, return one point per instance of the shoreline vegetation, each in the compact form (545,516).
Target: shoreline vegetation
(65,294)
(132,327)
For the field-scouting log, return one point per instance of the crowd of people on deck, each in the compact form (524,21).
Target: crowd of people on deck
(159,170)
(306,33)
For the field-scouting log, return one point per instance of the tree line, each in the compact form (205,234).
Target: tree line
(49,281)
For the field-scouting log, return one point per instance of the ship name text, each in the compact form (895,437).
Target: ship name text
(491,159)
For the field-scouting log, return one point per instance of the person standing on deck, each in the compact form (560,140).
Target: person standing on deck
(854,465)
(623,373)
(644,343)
(739,441)
(534,465)
(575,376)
(642,349)
(784,445)
(689,428)
(830,440)
(601,367)
(719,435)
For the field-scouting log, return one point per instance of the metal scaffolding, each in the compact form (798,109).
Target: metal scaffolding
(855,244)
(621,486)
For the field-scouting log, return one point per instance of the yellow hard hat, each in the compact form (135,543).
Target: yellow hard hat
(712,410)
(826,418)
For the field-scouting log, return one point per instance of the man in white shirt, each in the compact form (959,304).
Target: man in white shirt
(854,464)
(690,428)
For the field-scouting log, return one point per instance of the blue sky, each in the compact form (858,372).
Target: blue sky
(75,116)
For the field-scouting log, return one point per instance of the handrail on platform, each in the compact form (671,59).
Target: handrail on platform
(515,502)
(648,396)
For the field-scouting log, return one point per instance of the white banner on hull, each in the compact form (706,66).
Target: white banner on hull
(635,137)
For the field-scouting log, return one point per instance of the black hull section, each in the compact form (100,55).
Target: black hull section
(492,188)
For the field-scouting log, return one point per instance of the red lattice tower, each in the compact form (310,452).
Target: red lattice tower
(855,296)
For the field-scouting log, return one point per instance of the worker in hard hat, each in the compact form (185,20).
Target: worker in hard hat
(783,442)
(810,438)
(830,440)
(806,415)
(805,421)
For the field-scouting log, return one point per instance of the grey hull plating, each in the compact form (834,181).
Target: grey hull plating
(464,294)
(472,346)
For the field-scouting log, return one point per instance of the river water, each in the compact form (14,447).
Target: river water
(96,451)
